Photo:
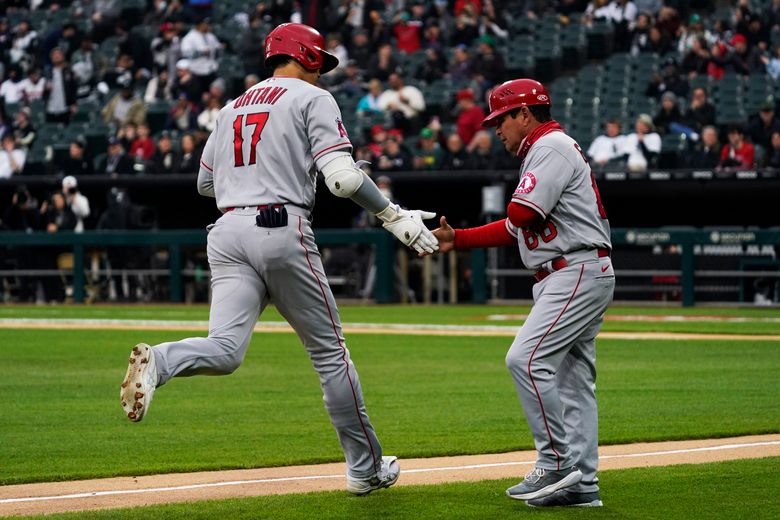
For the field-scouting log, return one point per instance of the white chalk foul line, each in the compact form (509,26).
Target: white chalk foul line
(322,477)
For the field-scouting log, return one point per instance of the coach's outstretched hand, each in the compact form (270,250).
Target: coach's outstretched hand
(445,235)
(408,227)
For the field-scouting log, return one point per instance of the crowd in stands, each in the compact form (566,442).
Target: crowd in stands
(96,65)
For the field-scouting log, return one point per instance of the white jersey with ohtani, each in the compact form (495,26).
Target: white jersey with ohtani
(556,182)
(265,142)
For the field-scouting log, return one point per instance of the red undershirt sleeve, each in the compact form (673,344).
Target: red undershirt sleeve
(494,234)
(521,216)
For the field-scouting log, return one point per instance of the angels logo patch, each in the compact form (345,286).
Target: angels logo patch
(342,130)
(527,183)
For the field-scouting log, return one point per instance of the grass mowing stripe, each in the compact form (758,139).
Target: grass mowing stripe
(426,396)
(724,490)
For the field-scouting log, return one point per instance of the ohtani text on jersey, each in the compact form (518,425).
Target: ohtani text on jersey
(267,95)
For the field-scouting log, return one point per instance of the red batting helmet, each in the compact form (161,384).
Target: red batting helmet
(515,94)
(302,43)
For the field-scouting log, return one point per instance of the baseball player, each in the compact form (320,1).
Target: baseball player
(260,163)
(557,220)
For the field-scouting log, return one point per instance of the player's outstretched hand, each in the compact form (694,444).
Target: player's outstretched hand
(445,235)
(408,227)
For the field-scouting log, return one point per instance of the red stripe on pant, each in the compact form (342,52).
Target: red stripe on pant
(539,397)
(343,349)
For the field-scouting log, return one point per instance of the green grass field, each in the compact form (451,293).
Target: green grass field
(427,396)
(726,490)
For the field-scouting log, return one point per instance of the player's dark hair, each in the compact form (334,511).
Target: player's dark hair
(280,60)
(541,113)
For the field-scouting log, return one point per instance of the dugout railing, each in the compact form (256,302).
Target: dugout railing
(685,276)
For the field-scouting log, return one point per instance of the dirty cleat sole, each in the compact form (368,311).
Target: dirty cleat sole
(139,383)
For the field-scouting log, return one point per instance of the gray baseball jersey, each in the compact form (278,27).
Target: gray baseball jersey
(553,358)
(266,141)
(262,151)
(557,183)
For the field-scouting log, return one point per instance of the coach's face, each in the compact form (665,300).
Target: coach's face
(513,127)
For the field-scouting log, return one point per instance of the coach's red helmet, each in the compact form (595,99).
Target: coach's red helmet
(302,43)
(515,94)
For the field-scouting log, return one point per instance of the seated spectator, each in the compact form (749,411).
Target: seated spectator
(350,83)
(11,90)
(715,68)
(434,67)
(428,154)
(642,146)
(772,62)
(185,82)
(700,112)
(207,119)
(706,154)
(361,50)
(466,28)
(403,102)
(455,155)
(127,134)
(116,162)
(762,125)
(87,65)
(383,64)
(189,161)
(143,144)
(470,115)
(668,80)
(11,157)
(183,115)
(377,144)
(488,63)
(480,149)
(461,69)
(607,147)
(773,154)
(658,42)
(369,104)
(158,88)
(394,157)
(737,153)
(668,114)
(640,39)
(166,48)
(125,107)
(164,159)
(743,59)
(334,46)
(116,77)
(76,163)
(23,131)
(33,86)
(695,60)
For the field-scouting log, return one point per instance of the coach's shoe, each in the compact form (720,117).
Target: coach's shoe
(139,383)
(566,498)
(540,482)
(387,476)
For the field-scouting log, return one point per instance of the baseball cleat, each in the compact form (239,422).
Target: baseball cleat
(566,498)
(540,482)
(140,382)
(387,476)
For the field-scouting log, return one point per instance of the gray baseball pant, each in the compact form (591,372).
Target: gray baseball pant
(251,266)
(553,364)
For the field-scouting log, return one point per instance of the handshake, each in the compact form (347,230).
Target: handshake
(408,227)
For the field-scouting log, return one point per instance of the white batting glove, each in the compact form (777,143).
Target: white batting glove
(409,228)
